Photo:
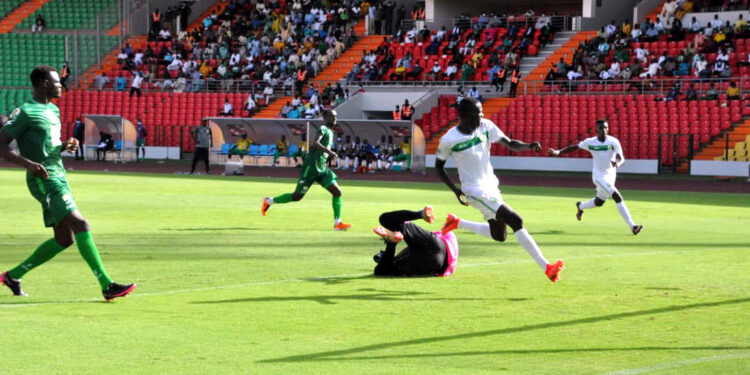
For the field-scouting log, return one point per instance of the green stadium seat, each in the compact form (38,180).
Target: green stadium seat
(74,14)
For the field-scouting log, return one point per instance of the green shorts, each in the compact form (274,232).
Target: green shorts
(299,153)
(140,142)
(55,196)
(309,175)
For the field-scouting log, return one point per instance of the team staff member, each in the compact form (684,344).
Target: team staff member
(406,110)
(203,141)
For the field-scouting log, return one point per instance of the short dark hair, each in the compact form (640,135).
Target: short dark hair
(602,122)
(40,74)
(327,112)
(466,105)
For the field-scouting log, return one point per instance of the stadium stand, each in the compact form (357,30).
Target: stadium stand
(10,99)
(75,14)
(15,11)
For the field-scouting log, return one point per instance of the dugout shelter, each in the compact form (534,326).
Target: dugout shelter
(266,132)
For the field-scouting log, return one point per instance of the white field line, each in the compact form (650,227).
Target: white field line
(296,280)
(686,362)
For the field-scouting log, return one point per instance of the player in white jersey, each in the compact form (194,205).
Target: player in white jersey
(468,144)
(607,154)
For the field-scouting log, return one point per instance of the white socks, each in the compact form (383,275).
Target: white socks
(380,164)
(523,236)
(336,221)
(587,204)
(528,243)
(625,214)
(482,229)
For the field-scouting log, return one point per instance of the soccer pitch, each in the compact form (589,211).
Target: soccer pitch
(224,290)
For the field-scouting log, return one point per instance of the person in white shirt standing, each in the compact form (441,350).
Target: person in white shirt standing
(468,144)
(135,86)
(607,154)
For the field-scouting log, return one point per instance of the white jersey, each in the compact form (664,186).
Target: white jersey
(603,154)
(471,153)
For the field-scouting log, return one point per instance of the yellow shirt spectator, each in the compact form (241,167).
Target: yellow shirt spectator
(282,147)
(740,25)
(733,92)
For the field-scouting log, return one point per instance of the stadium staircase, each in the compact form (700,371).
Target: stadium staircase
(738,144)
(335,71)
(20,12)
(655,12)
(109,62)
(273,109)
(530,64)
(565,51)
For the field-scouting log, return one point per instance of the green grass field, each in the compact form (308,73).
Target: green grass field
(224,290)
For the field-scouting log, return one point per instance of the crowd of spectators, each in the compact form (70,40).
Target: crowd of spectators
(272,46)
(663,47)
(490,44)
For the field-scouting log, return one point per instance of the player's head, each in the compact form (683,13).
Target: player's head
(330,117)
(46,81)
(602,128)
(470,112)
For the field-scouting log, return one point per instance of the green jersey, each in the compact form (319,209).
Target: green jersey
(316,157)
(36,128)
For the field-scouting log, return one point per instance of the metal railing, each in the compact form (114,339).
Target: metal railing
(559,23)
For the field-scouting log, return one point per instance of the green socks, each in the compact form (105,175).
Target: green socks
(89,253)
(43,253)
(336,208)
(283,198)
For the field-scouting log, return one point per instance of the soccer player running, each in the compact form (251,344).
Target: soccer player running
(315,169)
(35,126)
(426,253)
(607,154)
(468,144)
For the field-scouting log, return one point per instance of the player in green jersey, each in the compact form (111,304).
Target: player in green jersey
(35,126)
(315,169)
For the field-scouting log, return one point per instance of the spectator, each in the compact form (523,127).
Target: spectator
(100,81)
(467,72)
(691,93)
(250,105)
(120,82)
(39,24)
(64,75)
(286,109)
(228,110)
(434,73)
(135,85)
(733,92)
(711,94)
(474,93)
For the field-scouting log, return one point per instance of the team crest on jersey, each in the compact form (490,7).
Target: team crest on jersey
(13,115)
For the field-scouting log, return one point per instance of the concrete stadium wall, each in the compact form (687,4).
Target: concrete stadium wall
(640,166)
(595,17)
(720,168)
(643,8)
(358,107)
(708,16)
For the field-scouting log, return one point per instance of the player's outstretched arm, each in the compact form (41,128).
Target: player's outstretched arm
(34,169)
(565,150)
(440,169)
(517,146)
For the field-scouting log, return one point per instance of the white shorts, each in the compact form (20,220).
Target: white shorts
(605,187)
(487,201)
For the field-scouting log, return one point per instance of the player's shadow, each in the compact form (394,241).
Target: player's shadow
(536,351)
(345,354)
(334,280)
(331,299)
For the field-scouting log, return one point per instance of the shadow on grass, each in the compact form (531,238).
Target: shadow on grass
(536,351)
(343,354)
(372,295)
